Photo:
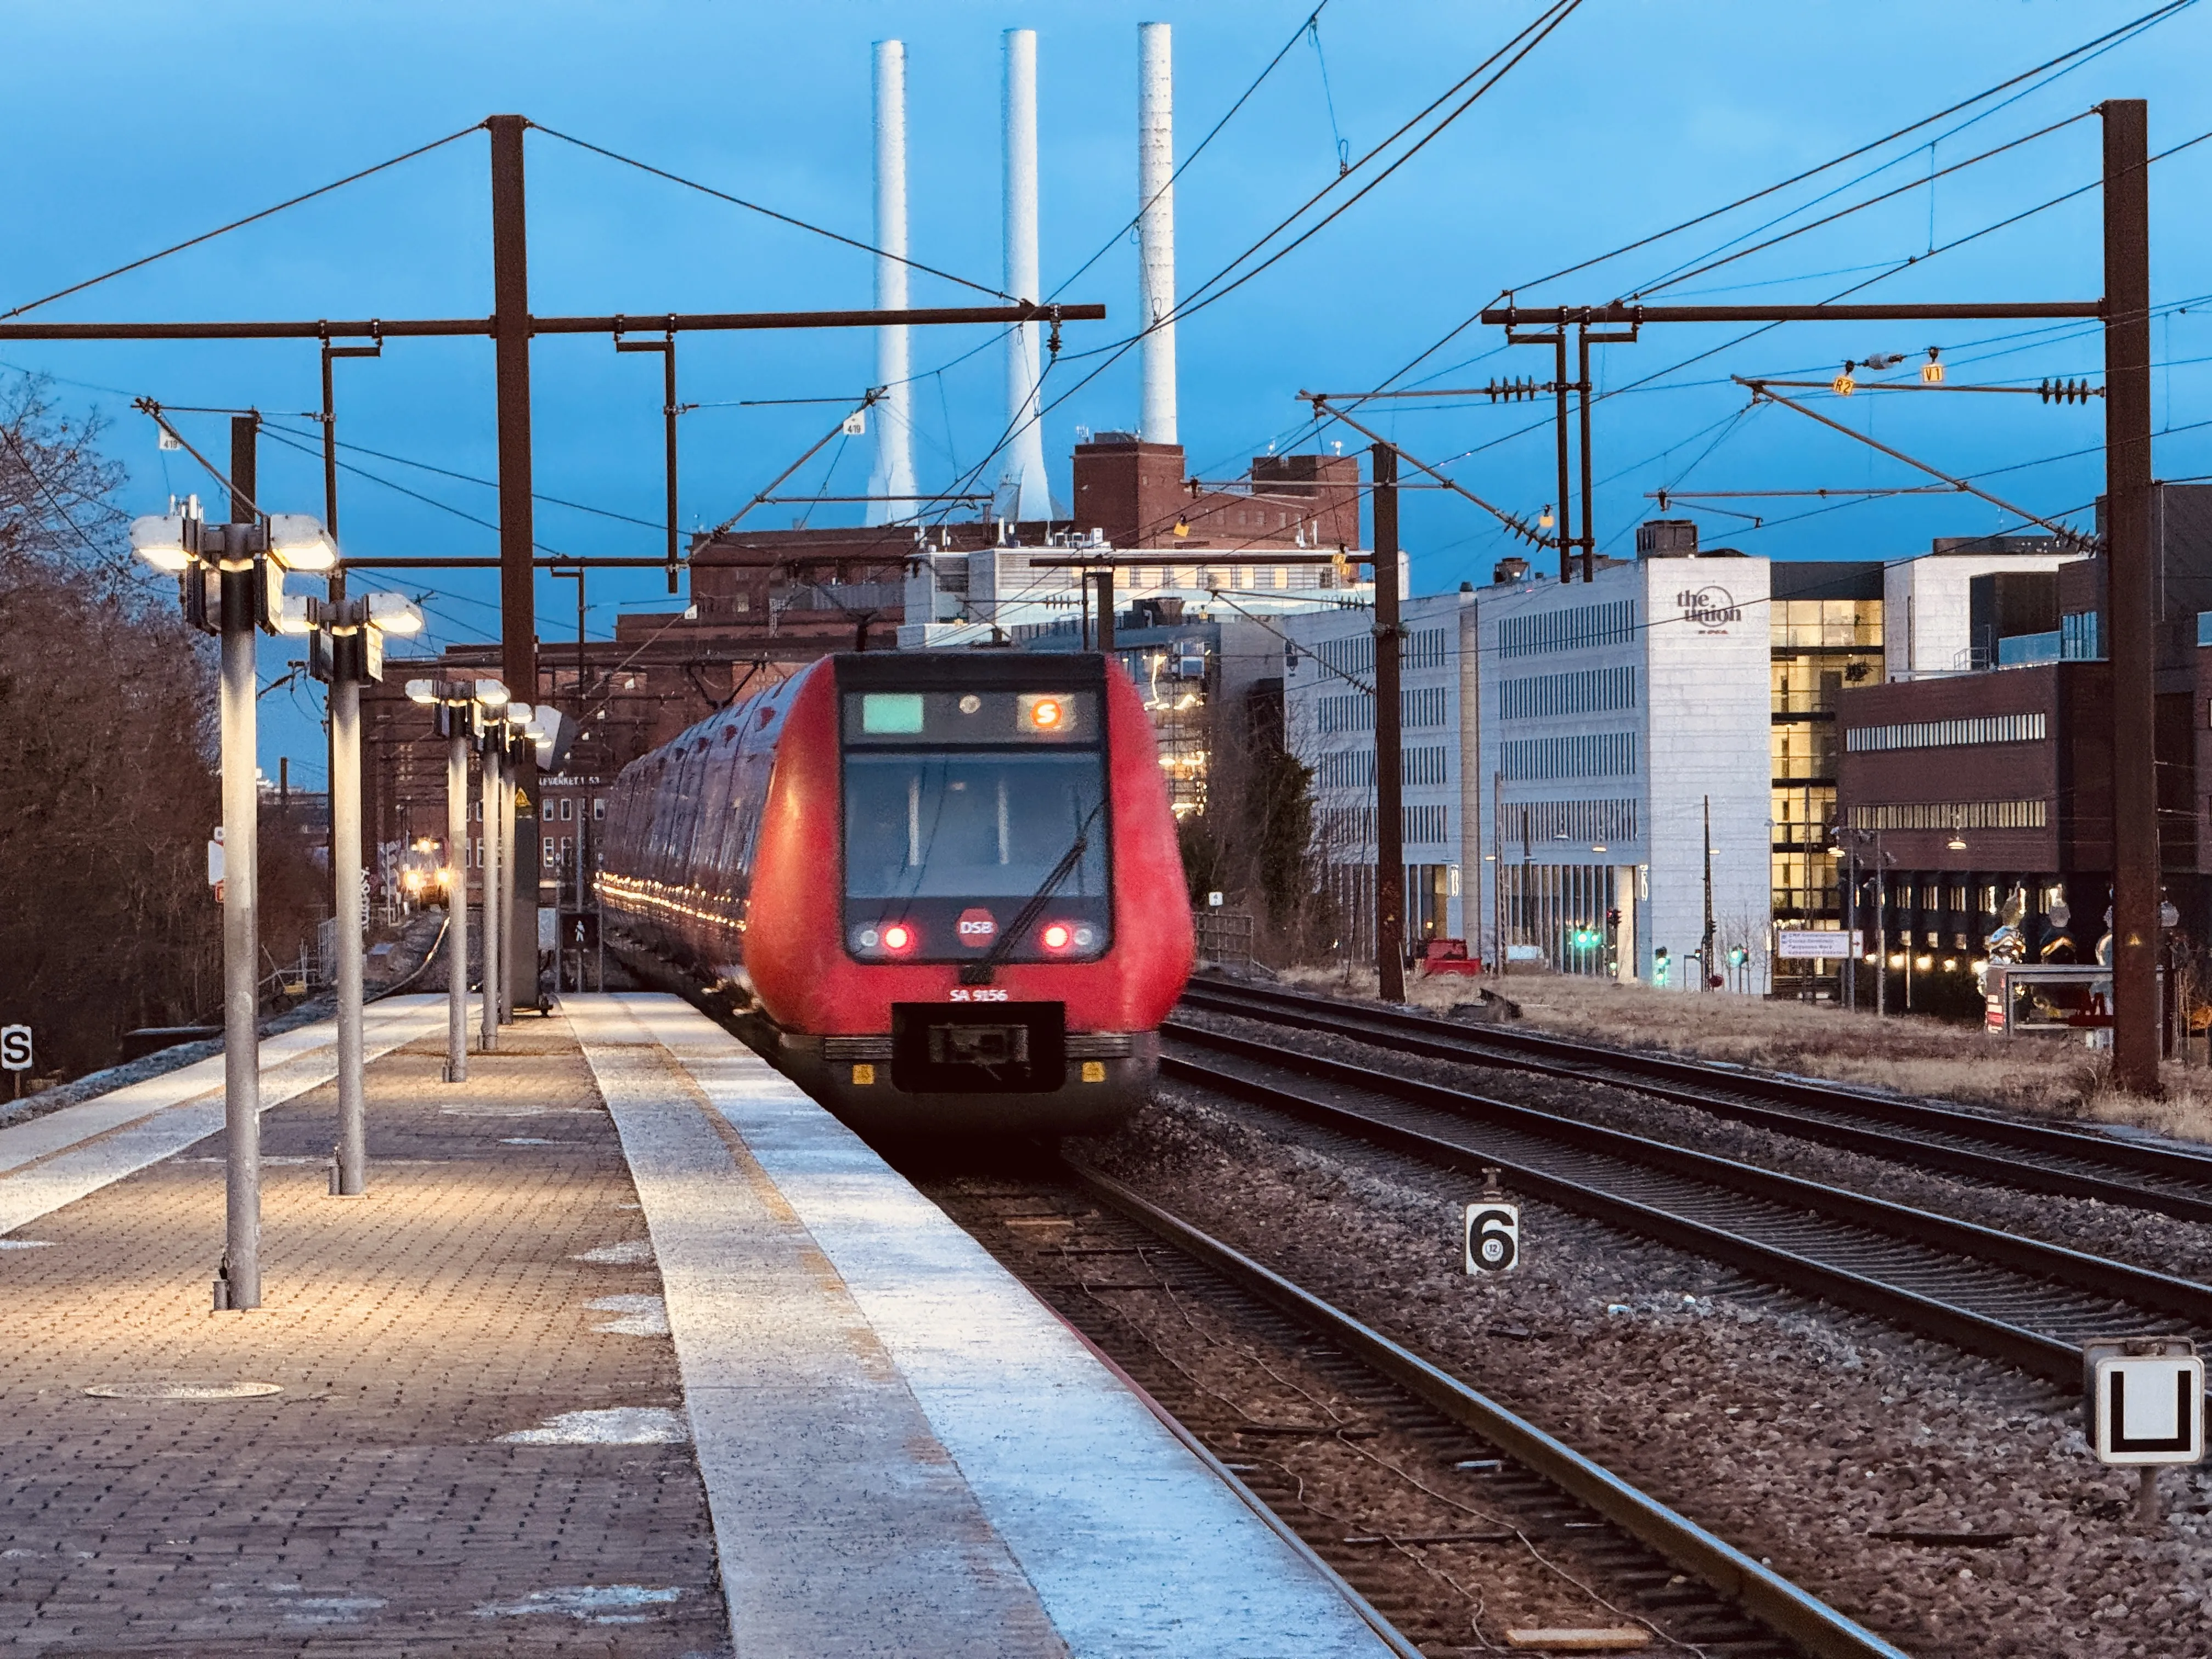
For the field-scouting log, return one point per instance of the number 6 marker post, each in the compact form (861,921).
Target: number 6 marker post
(1492,1231)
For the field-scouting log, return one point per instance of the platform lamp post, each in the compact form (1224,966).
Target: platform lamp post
(463,708)
(508,740)
(541,735)
(230,580)
(491,749)
(346,650)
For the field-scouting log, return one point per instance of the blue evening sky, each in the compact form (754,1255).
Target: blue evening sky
(130,126)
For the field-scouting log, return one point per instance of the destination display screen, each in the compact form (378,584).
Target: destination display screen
(935,720)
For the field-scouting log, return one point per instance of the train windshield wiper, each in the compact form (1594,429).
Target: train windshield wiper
(981,972)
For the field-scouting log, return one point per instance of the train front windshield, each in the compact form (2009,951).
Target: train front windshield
(960,809)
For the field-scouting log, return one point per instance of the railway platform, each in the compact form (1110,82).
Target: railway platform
(629,1349)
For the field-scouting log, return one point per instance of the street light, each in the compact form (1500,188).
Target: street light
(345,649)
(515,737)
(466,715)
(230,583)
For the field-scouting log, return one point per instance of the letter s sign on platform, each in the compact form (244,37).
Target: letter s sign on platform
(15,1048)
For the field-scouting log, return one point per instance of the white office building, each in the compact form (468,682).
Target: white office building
(1563,746)
(1328,723)
(1926,608)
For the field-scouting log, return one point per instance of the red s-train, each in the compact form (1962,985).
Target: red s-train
(945,886)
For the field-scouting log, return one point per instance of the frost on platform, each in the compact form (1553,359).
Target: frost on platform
(617,1425)
(598,1604)
(641,1316)
(629,1253)
(497,1110)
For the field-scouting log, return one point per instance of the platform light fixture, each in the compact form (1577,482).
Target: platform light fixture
(345,650)
(465,710)
(230,583)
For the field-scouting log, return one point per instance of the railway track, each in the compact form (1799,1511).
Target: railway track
(1437,1507)
(2027,1157)
(1974,1288)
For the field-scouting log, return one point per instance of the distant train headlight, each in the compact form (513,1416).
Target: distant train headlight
(1085,938)
(867,939)
(1057,936)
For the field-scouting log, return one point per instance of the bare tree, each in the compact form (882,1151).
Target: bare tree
(107,786)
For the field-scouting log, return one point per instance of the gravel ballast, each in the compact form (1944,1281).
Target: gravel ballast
(1795,1430)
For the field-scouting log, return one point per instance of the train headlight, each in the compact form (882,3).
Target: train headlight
(1057,936)
(898,937)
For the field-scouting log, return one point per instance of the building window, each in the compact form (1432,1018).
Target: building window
(1352,654)
(1425,705)
(1427,826)
(1803,751)
(1947,734)
(1955,815)
(1798,623)
(2078,640)
(1355,714)
(1807,685)
(1595,755)
(550,852)
(1527,826)
(1354,769)
(1590,691)
(1573,629)
(1424,648)
(567,809)
(599,806)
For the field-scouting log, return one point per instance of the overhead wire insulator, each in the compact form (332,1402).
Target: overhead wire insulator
(2068,392)
(1512,390)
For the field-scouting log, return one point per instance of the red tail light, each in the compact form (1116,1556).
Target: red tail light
(1057,936)
(898,937)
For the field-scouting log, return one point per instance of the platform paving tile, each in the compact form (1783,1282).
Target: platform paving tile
(371,1508)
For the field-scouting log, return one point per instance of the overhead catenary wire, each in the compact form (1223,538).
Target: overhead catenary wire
(1312,20)
(768,212)
(1517,48)
(2110,37)
(1861,206)
(239,224)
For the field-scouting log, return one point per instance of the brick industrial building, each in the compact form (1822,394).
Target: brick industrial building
(1989,788)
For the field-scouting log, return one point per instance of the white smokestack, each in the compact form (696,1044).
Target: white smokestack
(893,413)
(1156,226)
(1024,492)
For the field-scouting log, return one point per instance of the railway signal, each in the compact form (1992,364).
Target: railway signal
(2145,1408)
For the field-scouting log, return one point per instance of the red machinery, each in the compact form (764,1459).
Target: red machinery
(943,886)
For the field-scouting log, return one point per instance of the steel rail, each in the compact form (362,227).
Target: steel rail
(2061,1163)
(2015,1299)
(1764,1594)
